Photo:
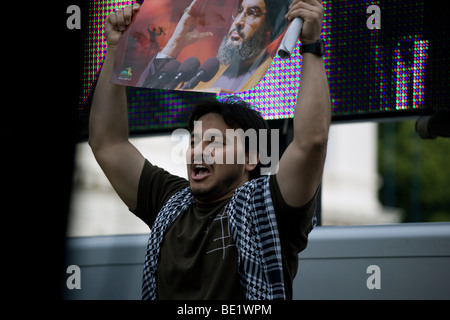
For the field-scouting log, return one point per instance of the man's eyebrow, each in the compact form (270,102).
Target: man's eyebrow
(256,7)
(252,7)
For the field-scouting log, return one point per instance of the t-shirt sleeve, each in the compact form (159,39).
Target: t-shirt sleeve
(156,186)
(294,224)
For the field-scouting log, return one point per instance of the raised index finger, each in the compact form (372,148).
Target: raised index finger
(196,7)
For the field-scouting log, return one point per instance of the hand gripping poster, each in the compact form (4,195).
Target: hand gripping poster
(222,46)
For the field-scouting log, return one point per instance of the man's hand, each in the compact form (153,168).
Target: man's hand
(186,32)
(311,11)
(117,22)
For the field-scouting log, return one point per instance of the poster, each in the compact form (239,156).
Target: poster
(222,46)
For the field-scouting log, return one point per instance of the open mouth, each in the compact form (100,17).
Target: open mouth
(200,171)
(235,36)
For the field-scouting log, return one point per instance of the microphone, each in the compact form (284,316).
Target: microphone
(290,38)
(206,72)
(167,73)
(184,72)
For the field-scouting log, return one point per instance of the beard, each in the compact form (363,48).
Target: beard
(214,192)
(222,185)
(245,51)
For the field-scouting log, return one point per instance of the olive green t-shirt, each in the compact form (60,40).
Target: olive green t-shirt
(198,257)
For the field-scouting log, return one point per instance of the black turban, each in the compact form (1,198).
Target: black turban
(276,10)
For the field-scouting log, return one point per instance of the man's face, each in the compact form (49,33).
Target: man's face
(248,35)
(214,181)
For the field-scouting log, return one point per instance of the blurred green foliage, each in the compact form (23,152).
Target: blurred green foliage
(415,172)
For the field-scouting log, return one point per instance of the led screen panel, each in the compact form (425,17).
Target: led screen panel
(383,59)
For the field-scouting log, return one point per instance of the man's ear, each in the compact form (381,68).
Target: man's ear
(251,161)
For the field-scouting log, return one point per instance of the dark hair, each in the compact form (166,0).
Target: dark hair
(276,10)
(236,113)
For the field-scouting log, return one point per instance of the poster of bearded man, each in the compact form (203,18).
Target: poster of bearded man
(222,46)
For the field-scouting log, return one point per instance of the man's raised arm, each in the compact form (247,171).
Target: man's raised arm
(301,166)
(121,162)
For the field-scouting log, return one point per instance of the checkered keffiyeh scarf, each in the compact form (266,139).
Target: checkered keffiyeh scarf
(254,228)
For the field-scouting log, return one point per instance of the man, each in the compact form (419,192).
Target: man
(243,52)
(225,233)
